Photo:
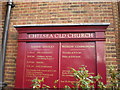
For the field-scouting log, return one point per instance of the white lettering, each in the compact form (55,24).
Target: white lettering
(61,35)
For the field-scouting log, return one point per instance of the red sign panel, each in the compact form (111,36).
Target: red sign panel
(53,61)
(41,62)
(50,52)
(73,55)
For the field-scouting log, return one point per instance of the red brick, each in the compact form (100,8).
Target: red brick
(58,12)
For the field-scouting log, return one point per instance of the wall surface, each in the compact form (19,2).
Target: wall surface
(59,13)
(0,41)
(2,15)
(118,48)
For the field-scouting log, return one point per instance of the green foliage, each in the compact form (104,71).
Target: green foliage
(114,78)
(37,82)
(55,82)
(85,80)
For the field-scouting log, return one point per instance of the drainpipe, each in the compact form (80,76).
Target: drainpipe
(10,5)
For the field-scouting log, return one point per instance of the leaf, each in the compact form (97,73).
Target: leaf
(56,81)
(54,87)
(67,86)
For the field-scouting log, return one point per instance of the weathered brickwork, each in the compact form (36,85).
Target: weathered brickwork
(112,40)
(0,24)
(58,13)
(118,48)
(2,14)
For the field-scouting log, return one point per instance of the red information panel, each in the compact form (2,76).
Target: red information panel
(53,61)
(74,55)
(41,62)
(50,52)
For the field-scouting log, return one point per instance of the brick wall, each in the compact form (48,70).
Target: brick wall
(2,16)
(118,49)
(0,40)
(112,51)
(8,62)
(0,23)
(61,12)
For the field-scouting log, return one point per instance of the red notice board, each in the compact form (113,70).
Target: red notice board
(50,51)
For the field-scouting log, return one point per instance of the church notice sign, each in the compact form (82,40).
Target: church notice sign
(42,62)
(50,52)
(52,61)
(60,35)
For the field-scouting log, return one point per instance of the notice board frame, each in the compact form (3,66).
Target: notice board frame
(99,38)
